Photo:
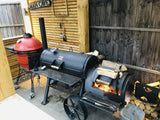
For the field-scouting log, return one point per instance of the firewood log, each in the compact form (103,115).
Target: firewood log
(132,102)
(154,114)
(147,111)
(137,102)
(141,106)
(148,107)
(132,98)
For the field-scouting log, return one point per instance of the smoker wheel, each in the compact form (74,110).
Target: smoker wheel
(75,109)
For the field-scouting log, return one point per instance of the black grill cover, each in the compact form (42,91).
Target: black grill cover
(69,62)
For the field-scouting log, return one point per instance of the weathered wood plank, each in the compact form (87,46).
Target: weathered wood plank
(11,20)
(6,83)
(131,31)
(83,24)
(12,59)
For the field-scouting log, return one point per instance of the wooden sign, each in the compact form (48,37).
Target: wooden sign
(40,4)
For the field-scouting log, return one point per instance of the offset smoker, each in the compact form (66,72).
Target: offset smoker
(64,67)
(105,89)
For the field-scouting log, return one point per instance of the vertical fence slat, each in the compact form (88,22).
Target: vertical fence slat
(11,15)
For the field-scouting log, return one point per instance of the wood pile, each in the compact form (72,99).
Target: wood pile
(150,110)
(99,56)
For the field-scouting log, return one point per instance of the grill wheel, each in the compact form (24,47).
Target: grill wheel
(75,109)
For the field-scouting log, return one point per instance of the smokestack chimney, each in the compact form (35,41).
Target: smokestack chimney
(43,33)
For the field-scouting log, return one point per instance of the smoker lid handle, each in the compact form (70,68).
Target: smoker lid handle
(55,67)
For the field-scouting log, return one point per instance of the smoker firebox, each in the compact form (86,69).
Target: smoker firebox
(104,88)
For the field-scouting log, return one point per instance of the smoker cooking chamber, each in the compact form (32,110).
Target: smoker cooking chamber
(77,64)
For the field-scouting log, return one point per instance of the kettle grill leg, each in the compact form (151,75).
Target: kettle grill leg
(18,77)
(32,94)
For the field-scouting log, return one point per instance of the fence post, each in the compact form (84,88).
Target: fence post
(83,25)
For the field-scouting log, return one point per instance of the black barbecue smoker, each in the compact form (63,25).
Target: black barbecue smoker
(101,87)
(104,88)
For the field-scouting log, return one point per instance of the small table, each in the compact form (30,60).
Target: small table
(56,75)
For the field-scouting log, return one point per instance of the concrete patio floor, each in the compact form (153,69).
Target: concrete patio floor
(17,108)
(55,106)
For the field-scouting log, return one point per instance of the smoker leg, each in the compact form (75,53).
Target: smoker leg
(39,77)
(32,94)
(45,100)
(81,89)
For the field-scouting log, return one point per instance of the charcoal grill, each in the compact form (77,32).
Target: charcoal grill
(104,88)
(28,51)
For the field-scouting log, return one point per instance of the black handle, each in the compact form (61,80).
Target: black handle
(43,33)
(13,51)
(60,25)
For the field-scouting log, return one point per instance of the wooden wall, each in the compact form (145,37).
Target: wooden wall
(11,20)
(6,83)
(12,59)
(70,23)
(127,31)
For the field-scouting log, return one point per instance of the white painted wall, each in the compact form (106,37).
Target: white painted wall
(27,21)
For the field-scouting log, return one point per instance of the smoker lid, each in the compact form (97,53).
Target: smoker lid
(27,44)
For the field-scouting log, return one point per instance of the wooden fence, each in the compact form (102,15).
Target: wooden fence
(11,29)
(11,20)
(127,31)
(12,59)
(75,24)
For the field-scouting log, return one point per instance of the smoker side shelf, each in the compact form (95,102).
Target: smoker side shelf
(51,74)
(58,76)
(99,103)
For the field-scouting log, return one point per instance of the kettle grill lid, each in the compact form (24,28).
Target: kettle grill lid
(27,43)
